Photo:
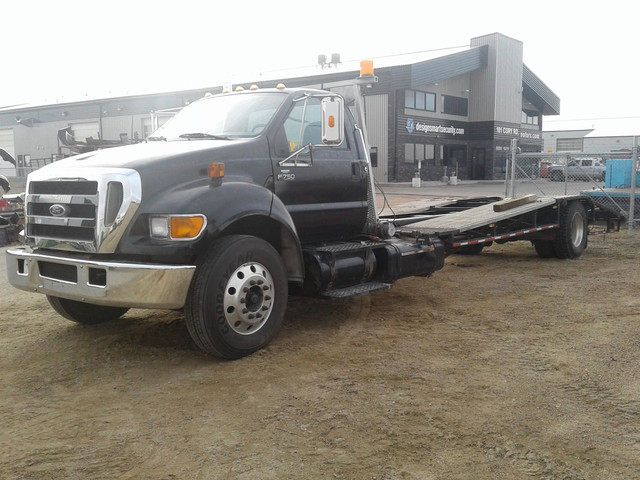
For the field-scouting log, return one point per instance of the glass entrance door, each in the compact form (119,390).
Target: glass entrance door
(478,164)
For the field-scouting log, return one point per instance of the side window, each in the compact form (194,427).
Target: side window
(302,127)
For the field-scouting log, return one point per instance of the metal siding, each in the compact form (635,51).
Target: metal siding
(497,90)
(40,141)
(538,93)
(377,113)
(509,81)
(438,69)
(113,127)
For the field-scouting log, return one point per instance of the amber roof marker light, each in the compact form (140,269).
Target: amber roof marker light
(366,68)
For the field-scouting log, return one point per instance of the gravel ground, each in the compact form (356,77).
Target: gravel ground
(501,365)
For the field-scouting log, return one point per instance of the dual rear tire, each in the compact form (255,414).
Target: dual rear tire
(571,237)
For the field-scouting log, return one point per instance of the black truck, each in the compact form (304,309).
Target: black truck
(240,200)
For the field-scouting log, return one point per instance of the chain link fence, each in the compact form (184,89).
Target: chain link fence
(605,177)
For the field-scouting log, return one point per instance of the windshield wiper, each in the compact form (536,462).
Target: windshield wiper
(203,135)
(157,139)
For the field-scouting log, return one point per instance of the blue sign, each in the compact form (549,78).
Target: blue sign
(410,125)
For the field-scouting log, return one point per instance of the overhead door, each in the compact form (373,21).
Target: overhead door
(82,131)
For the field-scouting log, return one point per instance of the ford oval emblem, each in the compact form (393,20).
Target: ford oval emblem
(58,210)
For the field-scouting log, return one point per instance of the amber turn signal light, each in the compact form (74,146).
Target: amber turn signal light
(186,227)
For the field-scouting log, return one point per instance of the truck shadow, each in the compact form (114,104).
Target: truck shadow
(149,333)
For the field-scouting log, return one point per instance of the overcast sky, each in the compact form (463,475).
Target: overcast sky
(586,52)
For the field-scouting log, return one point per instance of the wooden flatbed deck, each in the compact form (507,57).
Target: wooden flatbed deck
(475,217)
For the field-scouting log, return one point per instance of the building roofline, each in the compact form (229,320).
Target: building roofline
(537,92)
(406,75)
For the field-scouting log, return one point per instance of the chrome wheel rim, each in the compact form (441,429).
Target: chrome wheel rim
(577,230)
(248,298)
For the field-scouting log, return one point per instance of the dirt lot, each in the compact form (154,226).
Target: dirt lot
(499,366)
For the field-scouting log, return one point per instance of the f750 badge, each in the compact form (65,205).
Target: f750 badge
(286,177)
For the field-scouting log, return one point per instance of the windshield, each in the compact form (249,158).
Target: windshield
(223,117)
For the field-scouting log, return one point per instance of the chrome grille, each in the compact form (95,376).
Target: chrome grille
(77,201)
(84,213)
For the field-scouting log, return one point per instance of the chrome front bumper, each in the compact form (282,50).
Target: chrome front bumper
(121,284)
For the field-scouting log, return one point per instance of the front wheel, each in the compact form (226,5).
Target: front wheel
(238,297)
(85,313)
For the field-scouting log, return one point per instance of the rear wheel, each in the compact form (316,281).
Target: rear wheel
(556,176)
(571,239)
(545,248)
(238,297)
(85,313)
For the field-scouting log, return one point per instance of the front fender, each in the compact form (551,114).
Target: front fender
(230,207)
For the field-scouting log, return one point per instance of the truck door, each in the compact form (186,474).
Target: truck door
(323,187)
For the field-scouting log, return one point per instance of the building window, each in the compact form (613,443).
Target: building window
(530,118)
(455,105)
(429,152)
(409,153)
(569,144)
(418,100)
(419,152)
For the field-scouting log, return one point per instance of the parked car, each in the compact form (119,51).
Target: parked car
(11,213)
(544,168)
(578,169)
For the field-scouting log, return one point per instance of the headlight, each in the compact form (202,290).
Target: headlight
(177,227)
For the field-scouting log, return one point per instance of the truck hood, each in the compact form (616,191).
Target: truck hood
(141,155)
(171,165)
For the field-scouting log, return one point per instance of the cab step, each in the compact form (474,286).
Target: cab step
(357,290)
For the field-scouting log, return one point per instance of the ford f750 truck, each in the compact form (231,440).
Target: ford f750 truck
(239,201)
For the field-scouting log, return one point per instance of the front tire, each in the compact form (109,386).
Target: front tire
(238,297)
(85,313)
(571,239)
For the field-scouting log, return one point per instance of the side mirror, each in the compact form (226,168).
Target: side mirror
(332,120)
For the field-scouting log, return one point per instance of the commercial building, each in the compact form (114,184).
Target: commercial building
(603,135)
(455,112)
